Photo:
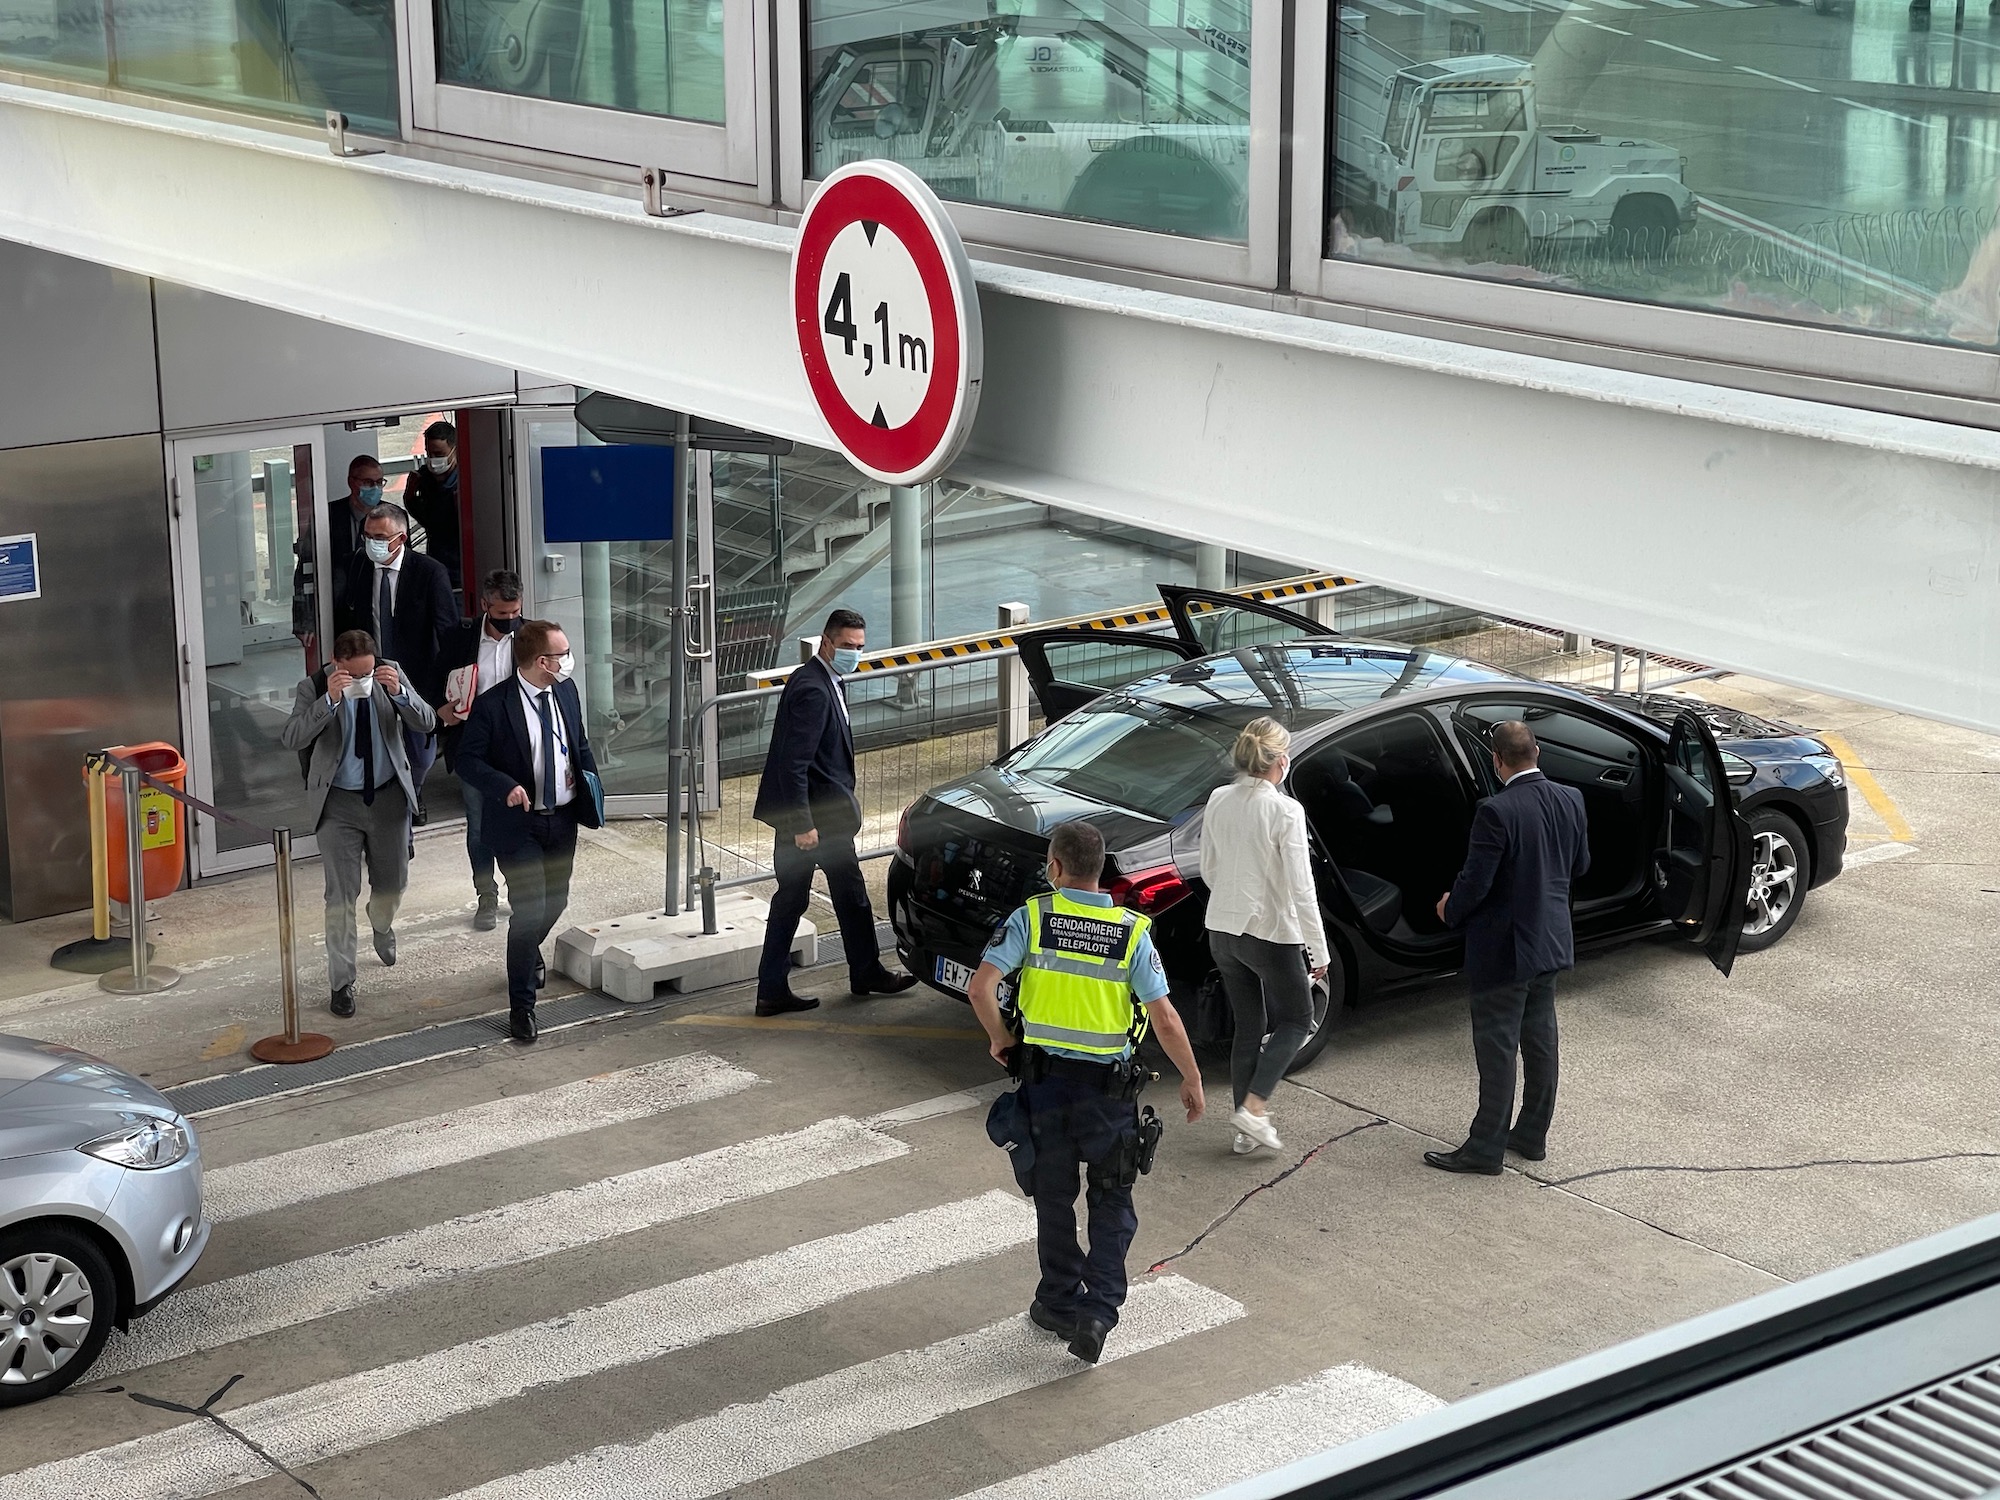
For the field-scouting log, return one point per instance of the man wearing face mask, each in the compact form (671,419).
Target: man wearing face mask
(807,795)
(483,648)
(432,497)
(345,516)
(400,597)
(525,754)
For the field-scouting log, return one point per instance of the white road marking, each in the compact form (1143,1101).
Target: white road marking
(1684,51)
(943,1104)
(1790,83)
(282,1296)
(1393,8)
(1677,4)
(374,1406)
(1874,854)
(742,1444)
(1503,5)
(358,1161)
(1890,113)
(1225,1444)
(1452,7)
(1602,27)
(1621,4)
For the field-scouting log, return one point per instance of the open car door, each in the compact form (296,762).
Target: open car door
(1070,667)
(1213,621)
(1701,872)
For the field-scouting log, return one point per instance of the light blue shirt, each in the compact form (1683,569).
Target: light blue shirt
(347,776)
(1009,951)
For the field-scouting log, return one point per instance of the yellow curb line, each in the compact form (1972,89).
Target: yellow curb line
(1865,782)
(853,1028)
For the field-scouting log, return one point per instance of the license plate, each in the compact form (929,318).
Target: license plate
(954,975)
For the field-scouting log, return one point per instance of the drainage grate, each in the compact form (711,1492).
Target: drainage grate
(1941,1443)
(207,1095)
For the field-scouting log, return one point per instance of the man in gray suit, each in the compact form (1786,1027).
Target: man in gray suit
(350,716)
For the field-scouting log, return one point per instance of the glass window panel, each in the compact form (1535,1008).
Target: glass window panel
(1130,112)
(652,57)
(1834,163)
(64,37)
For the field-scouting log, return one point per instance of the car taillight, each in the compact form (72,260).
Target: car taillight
(1149,891)
(1404,184)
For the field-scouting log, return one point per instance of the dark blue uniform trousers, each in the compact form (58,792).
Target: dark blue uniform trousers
(1076,1126)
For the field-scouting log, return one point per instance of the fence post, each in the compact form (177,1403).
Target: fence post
(141,978)
(290,1046)
(1617,669)
(1012,680)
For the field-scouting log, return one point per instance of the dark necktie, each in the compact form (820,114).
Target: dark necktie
(385,609)
(548,752)
(364,744)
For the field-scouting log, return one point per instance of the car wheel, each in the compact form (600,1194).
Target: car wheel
(1780,871)
(1330,1010)
(58,1300)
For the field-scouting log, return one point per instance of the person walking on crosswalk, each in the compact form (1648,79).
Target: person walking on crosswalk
(1091,986)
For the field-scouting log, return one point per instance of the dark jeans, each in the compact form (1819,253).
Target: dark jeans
(794,868)
(1506,1019)
(475,843)
(537,874)
(1075,1126)
(1270,991)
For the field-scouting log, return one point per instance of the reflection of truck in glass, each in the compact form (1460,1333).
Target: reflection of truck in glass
(1451,152)
(1110,116)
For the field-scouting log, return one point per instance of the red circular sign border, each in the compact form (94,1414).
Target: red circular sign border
(903,450)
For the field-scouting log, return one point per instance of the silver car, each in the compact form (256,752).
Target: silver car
(100,1210)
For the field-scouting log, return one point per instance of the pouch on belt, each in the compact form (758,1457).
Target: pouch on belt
(1007,1127)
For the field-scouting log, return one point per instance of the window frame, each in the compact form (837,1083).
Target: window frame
(1735,347)
(1254,263)
(735,151)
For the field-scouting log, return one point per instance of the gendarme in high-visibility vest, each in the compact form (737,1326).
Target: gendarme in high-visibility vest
(1076,982)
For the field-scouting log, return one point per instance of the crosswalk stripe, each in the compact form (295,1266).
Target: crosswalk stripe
(319,1171)
(943,1104)
(1200,1454)
(374,1406)
(745,1443)
(281,1296)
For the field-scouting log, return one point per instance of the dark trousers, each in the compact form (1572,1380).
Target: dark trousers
(476,851)
(537,872)
(794,868)
(1076,1126)
(1270,1000)
(1506,1019)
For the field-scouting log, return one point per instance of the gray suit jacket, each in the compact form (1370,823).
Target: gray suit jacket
(315,724)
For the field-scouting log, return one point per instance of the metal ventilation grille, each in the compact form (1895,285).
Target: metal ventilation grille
(1941,1443)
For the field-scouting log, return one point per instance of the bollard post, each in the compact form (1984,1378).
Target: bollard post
(291,1046)
(1617,669)
(141,978)
(1642,672)
(1012,684)
(96,954)
(706,880)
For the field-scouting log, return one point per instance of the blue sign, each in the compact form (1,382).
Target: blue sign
(623,492)
(20,568)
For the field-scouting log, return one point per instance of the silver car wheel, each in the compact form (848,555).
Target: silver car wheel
(46,1310)
(1774,882)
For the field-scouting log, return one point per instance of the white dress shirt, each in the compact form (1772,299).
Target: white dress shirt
(496,658)
(1253,861)
(565,762)
(839,690)
(394,568)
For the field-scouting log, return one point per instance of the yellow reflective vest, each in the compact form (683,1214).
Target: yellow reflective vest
(1076,982)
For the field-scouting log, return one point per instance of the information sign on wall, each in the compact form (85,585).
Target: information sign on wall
(20,568)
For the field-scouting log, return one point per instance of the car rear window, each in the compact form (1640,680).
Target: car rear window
(1151,758)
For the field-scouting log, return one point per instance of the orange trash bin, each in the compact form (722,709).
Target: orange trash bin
(162,822)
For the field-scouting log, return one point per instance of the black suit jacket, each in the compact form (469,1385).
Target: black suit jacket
(425,610)
(1512,898)
(809,769)
(495,756)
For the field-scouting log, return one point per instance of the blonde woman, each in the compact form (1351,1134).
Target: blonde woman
(1263,923)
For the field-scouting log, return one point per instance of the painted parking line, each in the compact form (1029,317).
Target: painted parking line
(744,1022)
(375,1406)
(1790,83)
(1863,781)
(336,1281)
(1874,854)
(1684,51)
(376,1156)
(1200,1454)
(742,1444)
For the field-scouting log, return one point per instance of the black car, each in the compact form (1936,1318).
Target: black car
(1702,819)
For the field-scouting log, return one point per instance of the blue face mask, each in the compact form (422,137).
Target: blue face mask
(378,550)
(371,495)
(845,661)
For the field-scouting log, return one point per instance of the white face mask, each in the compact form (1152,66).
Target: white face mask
(380,551)
(361,687)
(565,666)
(438,465)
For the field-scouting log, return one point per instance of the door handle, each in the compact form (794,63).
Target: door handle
(1616,775)
(700,635)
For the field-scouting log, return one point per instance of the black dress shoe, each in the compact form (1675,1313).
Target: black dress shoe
(1458,1161)
(1526,1152)
(778,1005)
(883,983)
(1087,1343)
(385,948)
(1051,1322)
(522,1026)
(343,1001)
(541,974)
(488,916)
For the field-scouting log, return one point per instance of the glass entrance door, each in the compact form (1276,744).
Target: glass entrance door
(254,617)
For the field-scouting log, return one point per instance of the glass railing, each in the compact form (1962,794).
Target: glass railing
(650,57)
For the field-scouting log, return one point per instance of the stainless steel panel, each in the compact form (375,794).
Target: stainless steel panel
(80,343)
(91,662)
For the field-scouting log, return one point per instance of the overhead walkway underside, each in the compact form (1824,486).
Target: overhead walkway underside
(1835,549)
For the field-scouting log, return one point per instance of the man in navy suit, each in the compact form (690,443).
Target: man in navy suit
(1512,900)
(525,751)
(807,795)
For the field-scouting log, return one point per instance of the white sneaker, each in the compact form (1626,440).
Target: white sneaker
(1258,1128)
(1242,1145)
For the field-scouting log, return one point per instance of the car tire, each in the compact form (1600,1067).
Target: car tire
(1330,1012)
(1496,236)
(51,1273)
(1781,873)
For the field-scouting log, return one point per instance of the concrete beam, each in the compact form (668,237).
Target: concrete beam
(1841,550)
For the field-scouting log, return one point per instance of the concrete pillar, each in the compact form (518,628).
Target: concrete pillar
(1211,566)
(1012,684)
(906,565)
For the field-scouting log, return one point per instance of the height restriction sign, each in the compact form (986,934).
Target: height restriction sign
(888,321)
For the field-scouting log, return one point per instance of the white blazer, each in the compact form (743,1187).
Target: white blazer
(1253,861)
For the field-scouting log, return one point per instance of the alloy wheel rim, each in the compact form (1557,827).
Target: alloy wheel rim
(1774,883)
(46,1311)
